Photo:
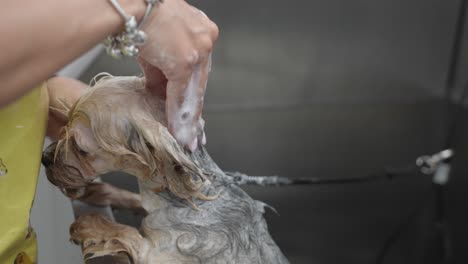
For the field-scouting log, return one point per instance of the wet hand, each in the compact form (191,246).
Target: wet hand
(176,60)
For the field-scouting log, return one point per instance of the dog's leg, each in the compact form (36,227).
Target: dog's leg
(105,194)
(100,237)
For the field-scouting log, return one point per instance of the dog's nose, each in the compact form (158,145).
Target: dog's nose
(46,161)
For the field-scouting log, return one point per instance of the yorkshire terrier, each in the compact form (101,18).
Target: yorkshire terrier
(195,213)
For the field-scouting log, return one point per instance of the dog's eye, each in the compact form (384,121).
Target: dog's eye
(82,152)
(77,148)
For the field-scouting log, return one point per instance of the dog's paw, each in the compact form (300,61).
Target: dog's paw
(100,237)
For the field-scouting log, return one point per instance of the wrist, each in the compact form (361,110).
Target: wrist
(127,41)
(132,8)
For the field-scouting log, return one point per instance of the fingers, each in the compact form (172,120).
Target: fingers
(176,61)
(184,104)
(156,82)
(182,109)
(184,95)
(203,83)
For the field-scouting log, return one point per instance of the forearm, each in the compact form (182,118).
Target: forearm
(40,37)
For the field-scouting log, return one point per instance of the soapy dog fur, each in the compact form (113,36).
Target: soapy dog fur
(195,213)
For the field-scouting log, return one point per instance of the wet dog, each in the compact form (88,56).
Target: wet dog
(195,212)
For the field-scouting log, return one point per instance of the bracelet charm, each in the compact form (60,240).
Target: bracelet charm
(126,43)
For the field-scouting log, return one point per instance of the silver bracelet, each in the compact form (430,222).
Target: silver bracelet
(126,42)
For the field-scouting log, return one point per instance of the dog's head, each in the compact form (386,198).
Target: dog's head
(117,125)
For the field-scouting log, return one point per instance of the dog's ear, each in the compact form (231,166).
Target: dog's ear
(165,157)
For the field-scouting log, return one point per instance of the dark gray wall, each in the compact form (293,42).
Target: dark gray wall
(332,88)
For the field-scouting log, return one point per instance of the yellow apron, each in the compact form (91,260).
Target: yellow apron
(22,131)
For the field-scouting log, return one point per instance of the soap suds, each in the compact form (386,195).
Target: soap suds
(185,123)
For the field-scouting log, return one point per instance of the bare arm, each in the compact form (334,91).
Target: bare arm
(40,37)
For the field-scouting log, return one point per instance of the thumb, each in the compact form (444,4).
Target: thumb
(155,80)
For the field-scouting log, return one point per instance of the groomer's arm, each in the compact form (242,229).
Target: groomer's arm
(40,37)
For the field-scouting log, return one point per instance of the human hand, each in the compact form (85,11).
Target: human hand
(176,61)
